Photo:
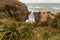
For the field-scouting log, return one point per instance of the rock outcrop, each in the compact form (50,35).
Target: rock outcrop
(14,9)
(37,16)
(57,15)
(43,16)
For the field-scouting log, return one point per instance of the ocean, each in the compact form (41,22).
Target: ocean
(53,7)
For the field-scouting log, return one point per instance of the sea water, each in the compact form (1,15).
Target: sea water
(54,7)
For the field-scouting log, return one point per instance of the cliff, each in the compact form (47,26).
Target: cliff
(43,16)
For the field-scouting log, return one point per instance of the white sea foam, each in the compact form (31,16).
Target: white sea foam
(31,18)
(38,7)
(55,8)
(30,7)
(34,7)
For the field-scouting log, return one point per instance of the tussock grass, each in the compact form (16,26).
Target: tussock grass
(27,31)
(14,30)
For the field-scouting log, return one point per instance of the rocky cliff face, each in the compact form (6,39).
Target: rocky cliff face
(43,16)
(14,9)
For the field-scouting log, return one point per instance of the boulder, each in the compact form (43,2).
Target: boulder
(57,15)
(14,9)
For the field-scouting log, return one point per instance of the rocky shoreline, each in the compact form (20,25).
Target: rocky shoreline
(13,26)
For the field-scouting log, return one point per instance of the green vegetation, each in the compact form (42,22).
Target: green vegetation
(14,30)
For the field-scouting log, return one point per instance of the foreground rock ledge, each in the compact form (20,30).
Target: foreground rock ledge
(14,9)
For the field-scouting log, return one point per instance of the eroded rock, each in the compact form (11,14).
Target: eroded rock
(43,16)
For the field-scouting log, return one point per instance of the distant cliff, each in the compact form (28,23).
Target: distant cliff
(44,16)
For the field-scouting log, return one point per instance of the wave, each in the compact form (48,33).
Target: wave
(55,8)
(34,7)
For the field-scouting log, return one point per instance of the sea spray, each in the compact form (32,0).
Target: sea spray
(31,17)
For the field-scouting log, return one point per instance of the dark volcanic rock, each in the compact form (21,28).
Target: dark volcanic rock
(14,9)
(37,16)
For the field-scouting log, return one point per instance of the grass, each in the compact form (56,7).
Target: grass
(13,30)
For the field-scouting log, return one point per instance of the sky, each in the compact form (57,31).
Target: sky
(40,1)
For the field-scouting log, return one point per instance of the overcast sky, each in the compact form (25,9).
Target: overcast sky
(40,1)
